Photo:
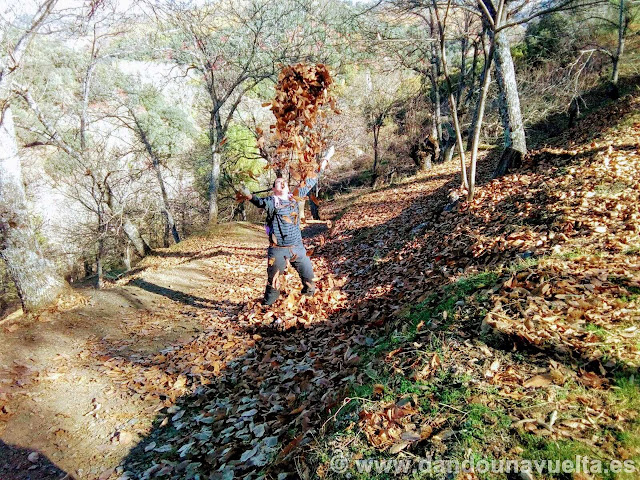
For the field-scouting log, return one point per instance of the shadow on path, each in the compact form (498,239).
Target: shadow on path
(17,463)
(178,296)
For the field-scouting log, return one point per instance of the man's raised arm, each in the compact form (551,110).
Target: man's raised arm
(311,182)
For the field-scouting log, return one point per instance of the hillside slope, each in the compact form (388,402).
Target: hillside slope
(502,328)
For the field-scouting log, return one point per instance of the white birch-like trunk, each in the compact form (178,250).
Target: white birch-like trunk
(37,281)
(506,77)
(214,185)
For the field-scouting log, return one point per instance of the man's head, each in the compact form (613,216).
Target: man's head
(280,187)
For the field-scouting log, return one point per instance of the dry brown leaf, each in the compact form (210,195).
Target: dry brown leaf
(539,381)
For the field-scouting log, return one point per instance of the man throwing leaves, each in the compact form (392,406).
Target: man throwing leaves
(283,229)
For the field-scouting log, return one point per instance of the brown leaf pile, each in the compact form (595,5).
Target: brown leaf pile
(569,304)
(572,211)
(395,426)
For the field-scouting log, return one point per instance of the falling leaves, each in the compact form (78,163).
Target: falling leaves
(301,92)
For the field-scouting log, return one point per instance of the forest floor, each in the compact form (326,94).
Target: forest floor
(503,328)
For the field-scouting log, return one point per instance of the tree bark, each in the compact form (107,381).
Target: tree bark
(36,279)
(155,162)
(452,100)
(463,69)
(506,78)
(214,185)
(484,77)
(435,75)
(376,153)
(100,251)
(472,81)
(622,27)
(141,247)
(477,125)
(126,257)
(216,136)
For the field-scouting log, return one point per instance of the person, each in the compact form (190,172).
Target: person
(285,238)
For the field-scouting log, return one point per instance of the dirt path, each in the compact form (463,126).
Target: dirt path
(59,394)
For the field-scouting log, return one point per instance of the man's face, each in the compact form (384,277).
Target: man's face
(280,187)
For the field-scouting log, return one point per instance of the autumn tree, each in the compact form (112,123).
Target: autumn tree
(381,95)
(617,17)
(162,129)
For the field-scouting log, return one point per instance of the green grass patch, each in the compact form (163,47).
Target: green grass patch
(572,254)
(554,451)
(634,291)
(611,188)
(437,304)
(599,331)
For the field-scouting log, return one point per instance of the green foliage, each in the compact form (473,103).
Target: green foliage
(549,38)
(167,127)
(243,163)
(437,304)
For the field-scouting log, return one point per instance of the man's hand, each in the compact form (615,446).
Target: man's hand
(327,156)
(243,193)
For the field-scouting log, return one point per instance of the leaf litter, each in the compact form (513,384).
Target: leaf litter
(250,395)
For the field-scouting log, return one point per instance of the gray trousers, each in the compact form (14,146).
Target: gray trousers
(277,258)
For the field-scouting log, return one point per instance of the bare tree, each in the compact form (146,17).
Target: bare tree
(35,277)
(81,151)
(440,23)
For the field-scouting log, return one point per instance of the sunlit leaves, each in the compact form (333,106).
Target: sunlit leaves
(301,92)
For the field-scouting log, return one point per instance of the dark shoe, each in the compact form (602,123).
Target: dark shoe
(270,295)
(308,288)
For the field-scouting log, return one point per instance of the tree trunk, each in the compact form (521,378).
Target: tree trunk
(99,273)
(463,68)
(35,277)
(100,252)
(506,77)
(472,81)
(133,234)
(126,257)
(376,154)
(622,26)
(155,161)
(511,158)
(485,81)
(141,246)
(166,236)
(452,99)
(435,75)
(216,136)
(477,125)
(214,185)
